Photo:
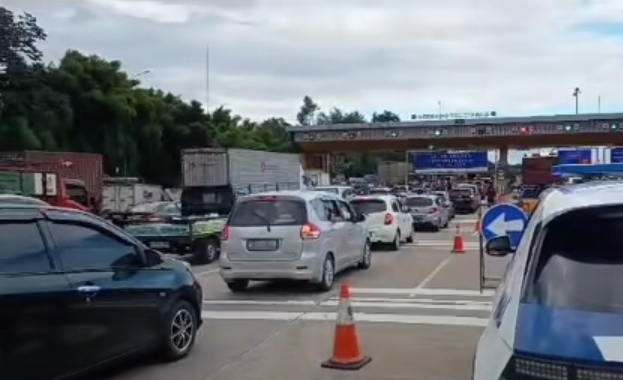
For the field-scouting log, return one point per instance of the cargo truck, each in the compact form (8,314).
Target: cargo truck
(536,176)
(213,178)
(79,174)
(46,186)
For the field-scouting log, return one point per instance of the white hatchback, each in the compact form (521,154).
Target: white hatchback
(387,220)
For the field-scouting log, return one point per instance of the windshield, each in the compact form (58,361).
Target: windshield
(580,262)
(274,211)
(333,190)
(369,206)
(419,202)
(77,193)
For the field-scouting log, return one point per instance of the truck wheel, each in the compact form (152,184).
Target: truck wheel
(205,251)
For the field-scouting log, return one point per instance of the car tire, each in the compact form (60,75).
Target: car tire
(238,286)
(180,330)
(206,251)
(366,257)
(328,274)
(395,245)
(411,237)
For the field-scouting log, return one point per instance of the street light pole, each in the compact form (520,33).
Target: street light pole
(576,95)
(144,72)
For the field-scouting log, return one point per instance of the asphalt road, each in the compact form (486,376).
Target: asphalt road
(418,311)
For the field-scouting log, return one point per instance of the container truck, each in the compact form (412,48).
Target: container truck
(79,174)
(213,178)
(121,194)
(536,176)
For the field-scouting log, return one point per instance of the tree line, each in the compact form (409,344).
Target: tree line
(90,104)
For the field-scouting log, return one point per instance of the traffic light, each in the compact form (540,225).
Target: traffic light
(524,130)
(568,128)
(438,132)
(614,127)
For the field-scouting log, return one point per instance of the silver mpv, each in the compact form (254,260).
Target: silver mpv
(294,235)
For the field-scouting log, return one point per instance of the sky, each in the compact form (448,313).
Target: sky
(515,57)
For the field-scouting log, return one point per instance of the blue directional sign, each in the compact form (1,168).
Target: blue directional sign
(503,220)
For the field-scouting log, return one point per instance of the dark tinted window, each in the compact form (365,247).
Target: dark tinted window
(277,212)
(419,202)
(369,206)
(580,263)
(22,249)
(531,192)
(461,192)
(82,246)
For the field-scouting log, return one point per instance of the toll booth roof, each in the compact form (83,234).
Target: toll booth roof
(587,170)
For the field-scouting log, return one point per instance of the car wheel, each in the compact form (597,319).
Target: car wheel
(396,243)
(238,286)
(411,237)
(206,251)
(366,258)
(180,330)
(328,274)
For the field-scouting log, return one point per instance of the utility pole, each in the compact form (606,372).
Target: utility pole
(576,95)
(599,104)
(208,79)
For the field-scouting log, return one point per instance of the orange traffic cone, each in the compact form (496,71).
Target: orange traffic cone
(346,352)
(477,225)
(459,244)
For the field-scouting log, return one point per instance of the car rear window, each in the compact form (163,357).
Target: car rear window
(461,192)
(273,211)
(419,202)
(369,206)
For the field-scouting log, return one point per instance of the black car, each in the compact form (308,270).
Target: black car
(77,292)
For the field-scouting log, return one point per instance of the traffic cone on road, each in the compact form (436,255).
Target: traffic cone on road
(459,244)
(477,225)
(346,352)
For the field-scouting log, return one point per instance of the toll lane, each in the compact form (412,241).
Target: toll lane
(416,310)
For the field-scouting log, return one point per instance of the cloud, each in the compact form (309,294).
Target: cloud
(517,57)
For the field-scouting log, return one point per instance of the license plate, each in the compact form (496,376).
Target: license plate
(159,244)
(262,245)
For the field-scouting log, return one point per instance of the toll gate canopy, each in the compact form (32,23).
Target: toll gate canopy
(597,171)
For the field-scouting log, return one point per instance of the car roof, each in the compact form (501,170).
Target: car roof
(384,197)
(339,187)
(572,197)
(303,194)
(429,196)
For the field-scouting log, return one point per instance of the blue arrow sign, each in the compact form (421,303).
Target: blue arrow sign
(503,220)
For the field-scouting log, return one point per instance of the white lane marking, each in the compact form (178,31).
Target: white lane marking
(611,347)
(439,320)
(414,300)
(207,272)
(430,276)
(259,302)
(408,305)
(425,291)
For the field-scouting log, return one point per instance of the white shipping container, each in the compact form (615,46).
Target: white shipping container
(240,168)
(122,197)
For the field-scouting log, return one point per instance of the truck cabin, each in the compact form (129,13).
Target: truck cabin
(76,191)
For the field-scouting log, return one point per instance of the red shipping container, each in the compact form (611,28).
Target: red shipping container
(538,171)
(86,167)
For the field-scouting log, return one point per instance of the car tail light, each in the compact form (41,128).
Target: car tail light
(433,210)
(389,219)
(225,233)
(310,231)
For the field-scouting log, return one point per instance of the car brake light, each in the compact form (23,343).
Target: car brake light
(310,231)
(225,233)
(389,219)
(432,210)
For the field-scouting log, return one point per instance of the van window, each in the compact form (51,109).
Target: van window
(369,206)
(461,192)
(580,262)
(272,210)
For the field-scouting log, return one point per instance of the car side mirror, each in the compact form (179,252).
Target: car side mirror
(406,209)
(152,257)
(361,218)
(447,204)
(499,246)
